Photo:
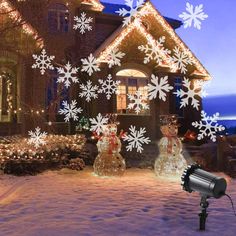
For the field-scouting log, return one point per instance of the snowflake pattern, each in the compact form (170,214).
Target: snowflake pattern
(131,13)
(180,60)
(66,74)
(155,50)
(192,92)
(90,64)
(160,87)
(114,58)
(97,123)
(70,111)
(37,138)
(43,62)
(139,102)
(108,86)
(82,23)
(208,126)
(89,91)
(194,15)
(136,139)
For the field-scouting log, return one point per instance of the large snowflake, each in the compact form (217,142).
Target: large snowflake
(89,91)
(193,16)
(131,13)
(37,138)
(160,87)
(43,62)
(97,123)
(70,111)
(66,74)
(208,126)
(155,50)
(180,60)
(193,93)
(136,139)
(82,23)
(90,64)
(114,57)
(108,86)
(138,102)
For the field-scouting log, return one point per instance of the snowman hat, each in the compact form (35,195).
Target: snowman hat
(170,119)
(112,118)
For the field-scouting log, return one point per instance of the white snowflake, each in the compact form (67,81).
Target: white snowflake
(192,92)
(139,102)
(108,86)
(155,50)
(70,111)
(208,126)
(132,12)
(43,62)
(37,138)
(90,64)
(158,86)
(66,74)
(114,58)
(136,139)
(82,23)
(89,91)
(180,60)
(193,15)
(97,123)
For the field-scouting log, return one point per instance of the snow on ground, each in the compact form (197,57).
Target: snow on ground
(68,203)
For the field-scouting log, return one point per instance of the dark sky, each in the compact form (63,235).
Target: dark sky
(214,44)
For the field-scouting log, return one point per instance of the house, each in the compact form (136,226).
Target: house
(33,99)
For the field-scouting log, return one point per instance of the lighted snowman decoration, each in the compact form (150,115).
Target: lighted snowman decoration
(109,162)
(170,160)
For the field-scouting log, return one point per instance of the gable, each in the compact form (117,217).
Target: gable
(157,22)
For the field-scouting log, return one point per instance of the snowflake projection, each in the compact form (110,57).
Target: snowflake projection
(97,123)
(160,87)
(131,13)
(193,16)
(139,102)
(37,138)
(180,60)
(193,93)
(89,91)
(208,126)
(114,58)
(155,50)
(43,62)
(90,64)
(136,139)
(70,111)
(108,86)
(82,23)
(66,74)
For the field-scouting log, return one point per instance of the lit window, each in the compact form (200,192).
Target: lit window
(131,81)
(58,18)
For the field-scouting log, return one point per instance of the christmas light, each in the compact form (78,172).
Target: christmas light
(15,15)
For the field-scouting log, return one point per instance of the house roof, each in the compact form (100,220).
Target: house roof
(111,8)
(123,31)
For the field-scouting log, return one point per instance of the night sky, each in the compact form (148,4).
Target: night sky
(214,44)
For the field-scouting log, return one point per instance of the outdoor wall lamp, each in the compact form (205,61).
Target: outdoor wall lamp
(208,185)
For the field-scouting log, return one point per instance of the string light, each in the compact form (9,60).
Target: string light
(123,32)
(96,4)
(16,16)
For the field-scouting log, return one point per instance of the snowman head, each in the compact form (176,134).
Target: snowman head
(109,129)
(169,130)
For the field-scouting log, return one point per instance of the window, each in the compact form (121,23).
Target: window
(177,86)
(58,18)
(131,81)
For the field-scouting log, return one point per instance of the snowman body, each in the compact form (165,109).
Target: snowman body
(109,162)
(170,160)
